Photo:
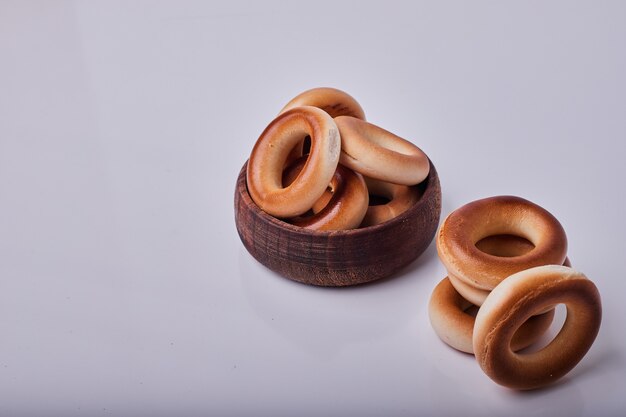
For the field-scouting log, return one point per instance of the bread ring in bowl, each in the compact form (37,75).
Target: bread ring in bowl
(473,272)
(346,207)
(517,298)
(333,101)
(269,155)
(454,324)
(400,197)
(379,154)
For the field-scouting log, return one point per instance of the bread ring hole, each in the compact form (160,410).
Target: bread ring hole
(323,201)
(471,310)
(301,149)
(378,200)
(306,145)
(505,245)
(549,335)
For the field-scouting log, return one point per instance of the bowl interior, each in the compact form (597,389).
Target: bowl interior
(338,257)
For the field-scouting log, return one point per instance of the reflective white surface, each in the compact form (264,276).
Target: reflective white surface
(124,288)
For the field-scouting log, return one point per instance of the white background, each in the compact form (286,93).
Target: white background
(124,288)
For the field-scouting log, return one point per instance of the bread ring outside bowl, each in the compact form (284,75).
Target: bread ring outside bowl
(379,154)
(450,313)
(513,302)
(346,207)
(333,101)
(476,295)
(454,324)
(270,153)
(473,272)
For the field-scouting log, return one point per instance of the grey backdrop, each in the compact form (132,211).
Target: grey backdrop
(124,288)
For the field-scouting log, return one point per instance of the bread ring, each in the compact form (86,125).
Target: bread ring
(473,272)
(347,205)
(268,157)
(379,154)
(333,101)
(400,197)
(450,319)
(512,302)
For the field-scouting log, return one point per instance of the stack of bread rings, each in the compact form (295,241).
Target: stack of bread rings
(316,164)
(506,258)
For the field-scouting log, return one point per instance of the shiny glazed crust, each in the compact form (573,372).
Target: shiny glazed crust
(379,154)
(270,153)
(449,317)
(333,101)
(463,228)
(517,298)
(346,206)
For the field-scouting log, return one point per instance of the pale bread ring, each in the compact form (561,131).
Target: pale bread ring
(463,228)
(269,155)
(517,298)
(379,154)
(401,198)
(449,318)
(346,207)
(333,101)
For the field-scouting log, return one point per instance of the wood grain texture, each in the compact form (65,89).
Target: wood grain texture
(342,257)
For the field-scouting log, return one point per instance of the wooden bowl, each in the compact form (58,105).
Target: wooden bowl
(340,257)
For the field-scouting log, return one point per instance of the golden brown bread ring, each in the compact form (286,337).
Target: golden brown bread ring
(346,207)
(400,197)
(449,317)
(513,302)
(379,154)
(333,101)
(475,269)
(269,155)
